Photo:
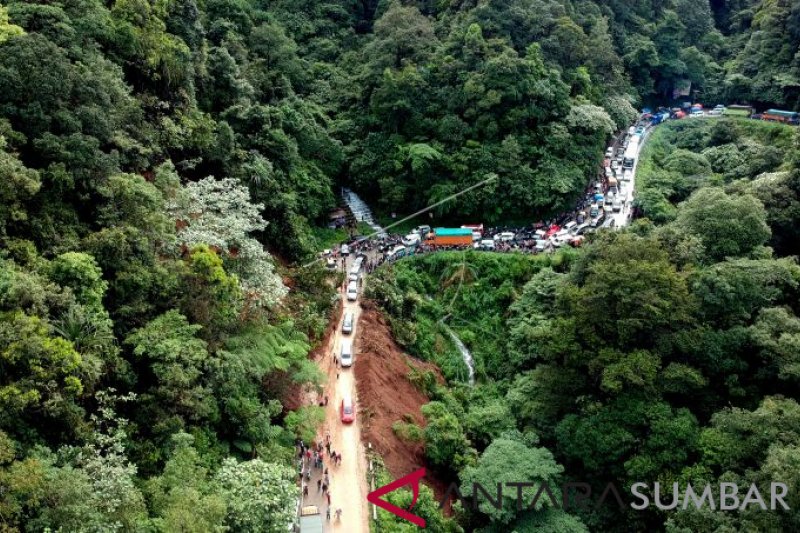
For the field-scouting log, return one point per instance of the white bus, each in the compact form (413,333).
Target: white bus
(631,152)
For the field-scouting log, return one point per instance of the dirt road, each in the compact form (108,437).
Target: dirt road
(348,481)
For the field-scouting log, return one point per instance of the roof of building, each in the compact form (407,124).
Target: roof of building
(452,232)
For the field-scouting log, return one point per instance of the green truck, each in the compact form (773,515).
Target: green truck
(310,519)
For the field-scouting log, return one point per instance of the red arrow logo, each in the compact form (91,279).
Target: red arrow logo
(412,479)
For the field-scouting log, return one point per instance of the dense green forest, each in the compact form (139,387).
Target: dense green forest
(739,155)
(666,352)
(156,156)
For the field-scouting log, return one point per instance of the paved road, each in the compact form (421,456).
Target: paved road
(348,480)
(623,218)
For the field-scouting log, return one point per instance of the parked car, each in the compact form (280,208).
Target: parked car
(348,322)
(506,236)
(580,229)
(347,410)
(717,111)
(617,205)
(541,245)
(352,291)
(346,354)
(487,244)
(345,249)
(412,239)
(597,219)
(330,263)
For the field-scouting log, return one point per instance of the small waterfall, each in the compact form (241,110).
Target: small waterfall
(465,354)
(361,211)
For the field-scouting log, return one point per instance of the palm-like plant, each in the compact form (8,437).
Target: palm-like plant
(88,332)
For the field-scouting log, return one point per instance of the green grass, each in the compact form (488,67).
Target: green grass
(328,238)
(364,229)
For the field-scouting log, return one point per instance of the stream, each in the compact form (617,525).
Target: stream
(361,211)
(465,353)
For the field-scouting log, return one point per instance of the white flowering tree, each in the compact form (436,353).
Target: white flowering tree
(589,118)
(219,213)
(261,496)
(620,110)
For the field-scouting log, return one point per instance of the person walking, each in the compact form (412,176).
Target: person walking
(339,514)
(329,497)
(319,485)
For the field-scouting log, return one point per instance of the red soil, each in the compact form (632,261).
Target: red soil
(386,395)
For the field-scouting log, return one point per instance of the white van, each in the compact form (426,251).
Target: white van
(346,354)
(412,239)
(506,236)
(352,291)
(396,253)
(348,322)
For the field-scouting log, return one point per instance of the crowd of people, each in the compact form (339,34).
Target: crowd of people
(312,463)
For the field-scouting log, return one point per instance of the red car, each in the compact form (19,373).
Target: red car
(347,410)
(552,230)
